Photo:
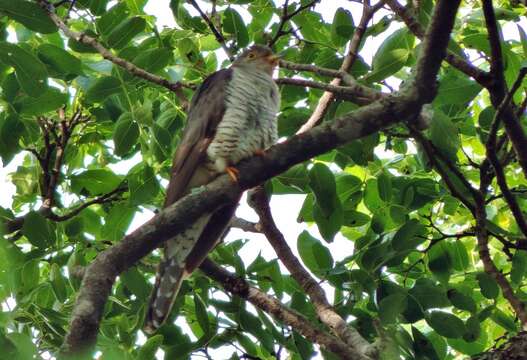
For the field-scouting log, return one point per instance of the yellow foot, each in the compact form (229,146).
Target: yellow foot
(233,173)
(259,152)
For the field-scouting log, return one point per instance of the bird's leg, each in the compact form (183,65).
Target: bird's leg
(259,152)
(233,173)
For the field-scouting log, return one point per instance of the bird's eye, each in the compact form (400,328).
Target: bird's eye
(251,56)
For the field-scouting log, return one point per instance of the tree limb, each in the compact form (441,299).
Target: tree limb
(482,77)
(108,55)
(217,34)
(327,98)
(260,203)
(271,305)
(286,16)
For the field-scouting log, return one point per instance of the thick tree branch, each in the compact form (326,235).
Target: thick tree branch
(405,105)
(271,305)
(327,315)
(327,98)
(498,89)
(217,34)
(108,55)
(492,155)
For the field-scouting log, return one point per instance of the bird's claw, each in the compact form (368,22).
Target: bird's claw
(233,173)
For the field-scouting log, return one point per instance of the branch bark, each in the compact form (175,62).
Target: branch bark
(271,305)
(327,98)
(108,55)
(405,105)
(327,315)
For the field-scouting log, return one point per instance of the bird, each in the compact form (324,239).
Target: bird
(232,116)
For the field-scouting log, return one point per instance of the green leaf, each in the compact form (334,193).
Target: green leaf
(462,301)
(25,347)
(342,27)
(391,306)
(136,283)
(519,266)
(30,71)
(392,55)
(473,329)
(96,181)
(51,100)
(201,313)
(445,324)
(58,283)
(29,14)
(423,347)
(459,255)
(30,275)
(125,134)
(59,60)
(384,185)
(161,142)
(409,236)
(456,89)
(322,183)
(149,349)
(38,230)
(11,129)
(143,185)
(504,320)
(315,255)
(123,33)
(439,261)
(152,60)
(489,287)
(444,135)
(117,222)
(428,294)
(102,88)
(523,38)
(233,24)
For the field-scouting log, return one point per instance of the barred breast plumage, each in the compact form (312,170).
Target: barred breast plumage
(231,117)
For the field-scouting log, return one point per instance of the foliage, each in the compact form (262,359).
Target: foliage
(69,118)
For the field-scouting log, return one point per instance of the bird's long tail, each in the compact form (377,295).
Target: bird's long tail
(171,273)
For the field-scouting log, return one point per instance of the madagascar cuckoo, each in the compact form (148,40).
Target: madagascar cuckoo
(232,116)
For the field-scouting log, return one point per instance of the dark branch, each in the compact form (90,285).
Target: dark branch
(327,98)
(271,305)
(260,203)
(217,34)
(108,55)
(286,16)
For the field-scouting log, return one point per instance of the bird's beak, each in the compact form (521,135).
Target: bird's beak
(273,59)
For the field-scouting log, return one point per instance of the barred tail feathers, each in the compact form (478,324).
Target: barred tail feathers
(171,273)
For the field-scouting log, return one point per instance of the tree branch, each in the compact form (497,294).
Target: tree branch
(356,90)
(271,305)
(245,225)
(327,98)
(405,105)
(217,34)
(286,16)
(108,55)
(260,203)
(498,89)
(492,151)
(482,77)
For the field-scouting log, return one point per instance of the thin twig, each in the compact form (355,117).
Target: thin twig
(217,34)
(108,55)
(327,98)
(286,16)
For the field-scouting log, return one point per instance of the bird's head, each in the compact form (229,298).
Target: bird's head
(258,56)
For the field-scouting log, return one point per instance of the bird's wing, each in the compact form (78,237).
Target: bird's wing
(206,111)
